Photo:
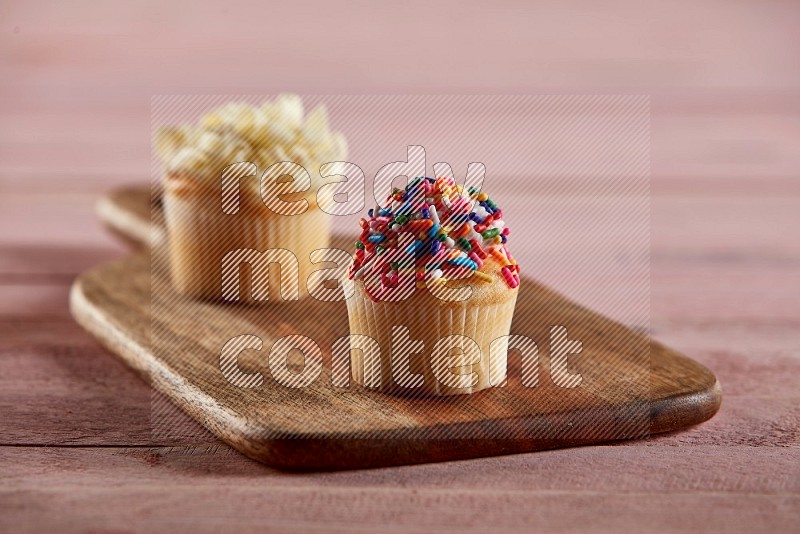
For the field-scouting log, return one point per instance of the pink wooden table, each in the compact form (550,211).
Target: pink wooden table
(76,448)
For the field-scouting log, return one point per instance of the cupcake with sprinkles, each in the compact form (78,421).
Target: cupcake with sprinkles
(434,292)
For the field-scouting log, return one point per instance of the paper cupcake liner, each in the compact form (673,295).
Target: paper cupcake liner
(201,235)
(430,321)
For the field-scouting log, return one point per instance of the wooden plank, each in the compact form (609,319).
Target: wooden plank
(726,490)
(59,388)
(201,509)
(713,150)
(51,264)
(614,468)
(41,245)
(31,300)
(645,48)
(38,221)
(45,364)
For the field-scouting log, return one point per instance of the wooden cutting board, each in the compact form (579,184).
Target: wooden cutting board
(632,386)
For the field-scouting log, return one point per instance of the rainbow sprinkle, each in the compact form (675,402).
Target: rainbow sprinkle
(452,232)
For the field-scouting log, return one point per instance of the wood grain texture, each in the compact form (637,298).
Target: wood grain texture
(662,392)
(75,108)
(46,363)
(605,488)
(749,348)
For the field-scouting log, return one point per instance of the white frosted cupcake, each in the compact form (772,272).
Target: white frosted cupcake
(201,232)
(435,288)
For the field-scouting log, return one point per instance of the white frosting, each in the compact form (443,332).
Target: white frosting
(266,134)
